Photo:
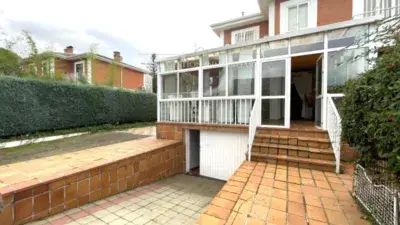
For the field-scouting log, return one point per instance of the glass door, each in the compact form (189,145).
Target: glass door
(275,93)
(318,92)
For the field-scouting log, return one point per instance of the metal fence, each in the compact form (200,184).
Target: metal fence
(379,200)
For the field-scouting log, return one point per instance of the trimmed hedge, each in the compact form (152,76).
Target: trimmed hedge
(29,105)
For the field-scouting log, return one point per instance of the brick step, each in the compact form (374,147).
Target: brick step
(322,143)
(318,164)
(294,132)
(292,150)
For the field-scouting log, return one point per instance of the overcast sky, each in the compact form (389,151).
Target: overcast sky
(136,28)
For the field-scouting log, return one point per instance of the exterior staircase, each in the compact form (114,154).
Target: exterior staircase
(306,148)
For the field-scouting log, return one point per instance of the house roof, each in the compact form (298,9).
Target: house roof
(237,22)
(244,20)
(71,57)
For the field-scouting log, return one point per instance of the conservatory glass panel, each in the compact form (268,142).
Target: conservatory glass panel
(214,82)
(189,84)
(169,86)
(307,43)
(275,48)
(241,79)
(243,54)
(343,66)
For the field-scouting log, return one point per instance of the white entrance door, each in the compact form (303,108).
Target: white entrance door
(221,153)
(275,93)
(319,96)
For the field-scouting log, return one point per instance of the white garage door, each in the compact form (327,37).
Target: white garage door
(221,153)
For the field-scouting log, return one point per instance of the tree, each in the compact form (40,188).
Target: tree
(152,66)
(9,63)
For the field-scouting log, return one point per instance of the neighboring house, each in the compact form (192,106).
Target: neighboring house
(96,69)
(270,91)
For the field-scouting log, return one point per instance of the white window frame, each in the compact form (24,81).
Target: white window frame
(255,29)
(83,66)
(312,12)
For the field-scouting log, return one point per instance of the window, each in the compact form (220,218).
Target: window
(168,66)
(79,70)
(343,66)
(189,84)
(297,17)
(245,35)
(214,58)
(190,62)
(214,82)
(243,54)
(169,86)
(241,79)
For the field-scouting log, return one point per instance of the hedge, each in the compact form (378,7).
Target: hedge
(29,105)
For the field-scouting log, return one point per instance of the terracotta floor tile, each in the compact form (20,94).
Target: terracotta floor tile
(240,219)
(252,221)
(295,197)
(262,200)
(247,195)
(294,188)
(296,209)
(335,217)
(280,185)
(295,180)
(343,196)
(218,212)
(296,220)
(278,204)
(314,222)
(269,175)
(313,201)
(276,217)
(331,204)
(327,194)
(210,220)
(259,212)
(308,182)
(316,213)
(278,193)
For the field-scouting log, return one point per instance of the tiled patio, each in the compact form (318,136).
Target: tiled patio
(177,200)
(260,193)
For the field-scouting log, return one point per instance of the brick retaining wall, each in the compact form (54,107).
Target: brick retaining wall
(73,190)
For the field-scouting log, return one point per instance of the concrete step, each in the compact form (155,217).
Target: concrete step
(293,150)
(308,163)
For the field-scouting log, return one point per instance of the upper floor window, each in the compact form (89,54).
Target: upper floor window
(298,17)
(244,35)
(298,14)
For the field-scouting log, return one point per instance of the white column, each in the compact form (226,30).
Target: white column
(159,91)
(200,88)
(325,83)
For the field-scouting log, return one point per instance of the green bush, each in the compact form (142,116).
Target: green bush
(371,111)
(29,105)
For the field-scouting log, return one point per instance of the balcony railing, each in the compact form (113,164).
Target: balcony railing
(334,127)
(210,110)
(383,8)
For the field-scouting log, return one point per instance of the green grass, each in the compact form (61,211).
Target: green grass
(90,129)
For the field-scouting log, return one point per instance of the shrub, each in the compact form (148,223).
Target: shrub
(30,105)
(371,111)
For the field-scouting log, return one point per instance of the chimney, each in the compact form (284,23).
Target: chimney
(242,13)
(69,50)
(117,56)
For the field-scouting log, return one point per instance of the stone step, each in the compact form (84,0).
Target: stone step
(322,143)
(308,163)
(294,132)
(292,150)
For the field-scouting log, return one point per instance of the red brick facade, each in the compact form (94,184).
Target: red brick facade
(263,31)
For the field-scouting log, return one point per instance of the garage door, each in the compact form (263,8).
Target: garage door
(221,153)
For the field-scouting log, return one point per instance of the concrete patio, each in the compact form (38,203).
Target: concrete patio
(177,200)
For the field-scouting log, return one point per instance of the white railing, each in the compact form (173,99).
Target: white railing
(181,111)
(334,127)
(383,8)
(234,110)
(255,121)
(226,110)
